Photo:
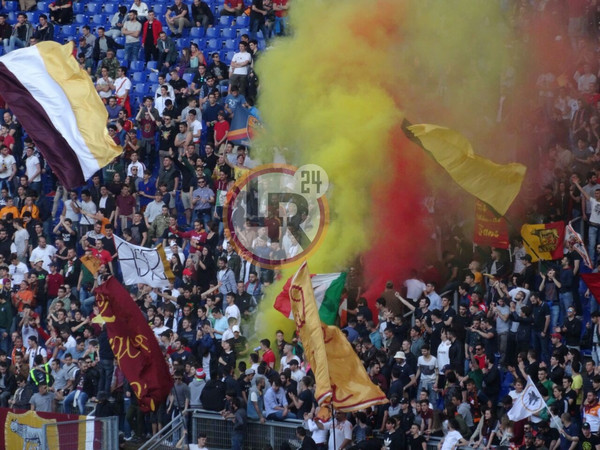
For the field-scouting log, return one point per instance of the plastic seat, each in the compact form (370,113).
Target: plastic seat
(43,6)
(159,9)
(94,8)
(225,21)
(98,20)
(81,19)
(33,17)
(151,65)
(138,77)
(242,31)
(78,8)
(153,88)
(242,21)
(120,40)
(197,32)
(153,77)
(140,88)
(213,45)
(230,44)
(188,77)
(137,66)
(182,43)
(12,6)
(68,30)
(111,8)
(227,57)
(212,33)
(121,54)
(228,33)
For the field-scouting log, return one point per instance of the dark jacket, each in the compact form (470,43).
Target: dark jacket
(110,43)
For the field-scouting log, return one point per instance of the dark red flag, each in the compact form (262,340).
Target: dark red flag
(134,345)
(592,281)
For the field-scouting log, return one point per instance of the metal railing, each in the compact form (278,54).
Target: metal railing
(218,431)
(101,432)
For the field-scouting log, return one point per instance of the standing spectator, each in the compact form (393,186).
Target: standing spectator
(258,13)
(238,69)
(132,30)
(150,33)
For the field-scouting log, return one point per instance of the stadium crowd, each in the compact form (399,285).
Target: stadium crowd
(450,347)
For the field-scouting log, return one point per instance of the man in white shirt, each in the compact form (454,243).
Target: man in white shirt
(232,310)
(453,439)
(238,69)
(88,206)
(132,30)
(142,10)
(33,169)
(104,85)
(43,252)
(195,127)
(8,169)
(122,88)
(135,163)
(153,209)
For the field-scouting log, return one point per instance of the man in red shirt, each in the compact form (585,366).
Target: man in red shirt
(125,206)
(232,8)
(268,355)
(197,236)
(103,255)
(221,130)
(53,281)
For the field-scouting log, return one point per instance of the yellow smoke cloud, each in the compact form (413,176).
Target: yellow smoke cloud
(331,95)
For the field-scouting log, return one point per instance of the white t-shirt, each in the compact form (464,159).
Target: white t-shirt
(443,354)
(122,86)
(595,210)
(44,254)
(414,288)
(89,207)
(30,164)
(69,212)
(7,161)
(132,25)
(427,368)
(18,272)
(233,311)
(342,431)
(241,58)
(101,82)
(142,9)
(451,439)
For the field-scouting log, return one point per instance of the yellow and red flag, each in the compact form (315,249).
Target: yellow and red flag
(341,379)
(544,241)
(490,228)
(134,345)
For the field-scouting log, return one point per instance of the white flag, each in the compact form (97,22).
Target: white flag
(143,265)
(528,403)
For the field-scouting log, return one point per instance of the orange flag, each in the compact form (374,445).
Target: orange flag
(341,379)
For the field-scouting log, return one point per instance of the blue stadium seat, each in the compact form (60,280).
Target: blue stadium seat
(242,21)
(43,6)
(68,30)
(182,43)
(188,77)
(231,44)
(98,20)
(138,77)
(120,40)
(33,17)
(228,33)
(78,8)
(197,32)
(12,16)
(241,31)
(150,65)
(153,77)
(121,54)
(212,33)
(140,88)
(81,19)
(137,66)
(160,9)
(153,88)
(111,8)
(225,21)
(12,6)
(227,57)
(213,45)
(94,8)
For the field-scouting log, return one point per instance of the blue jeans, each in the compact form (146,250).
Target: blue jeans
(554,314)
(428,385)
(540,344)
(81,401)
(132,51)
(592,237)
(566,300)
(107,367)
(258,25)
(12,43)
(205,215)
(87,305)
(237,440)
(278,415)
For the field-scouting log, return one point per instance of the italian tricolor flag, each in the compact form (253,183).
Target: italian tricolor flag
(328,288)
